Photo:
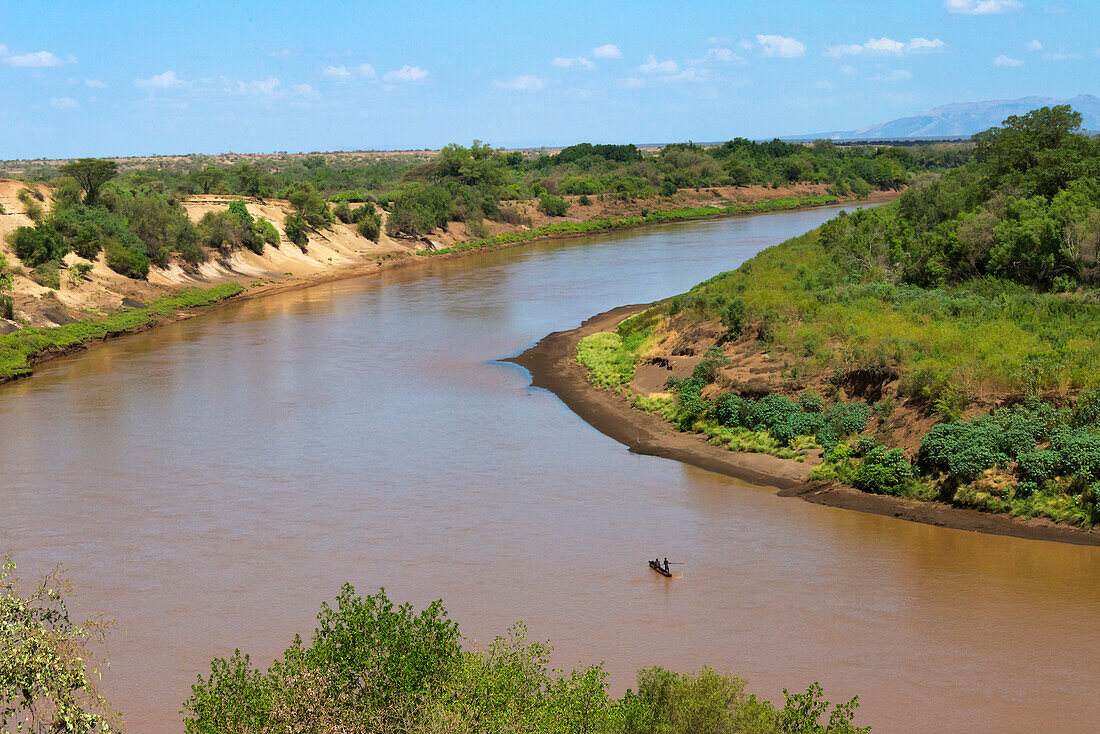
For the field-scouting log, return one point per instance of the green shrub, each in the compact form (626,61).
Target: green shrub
(124,261)
(882,471)
(553,206)
(810,401)
(47,275)
(37,245)
(78,272)
(370,224)
(295,228)
(7,307)
(343,212)
(1038,466)
(960,450)
(366,665)
(772,410)
(732,410)
(265,232)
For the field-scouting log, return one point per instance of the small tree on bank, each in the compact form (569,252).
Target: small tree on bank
(91,174)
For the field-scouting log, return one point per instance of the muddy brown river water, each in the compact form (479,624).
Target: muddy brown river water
(209,483)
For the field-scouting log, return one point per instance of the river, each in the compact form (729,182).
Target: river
(210,482)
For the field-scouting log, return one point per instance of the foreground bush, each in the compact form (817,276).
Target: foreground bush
(45,681)
(374,667)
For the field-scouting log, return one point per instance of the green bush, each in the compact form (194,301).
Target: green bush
(882,471)
(265,232)
(960,450)
(553,206)
(37,245)
(370,223)
(122,260)
(295,228)
(1038,466)
(810,401)
(47,275)
(342,212)
(368,664)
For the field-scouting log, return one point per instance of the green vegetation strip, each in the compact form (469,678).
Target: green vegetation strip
(611,224)
(19,349)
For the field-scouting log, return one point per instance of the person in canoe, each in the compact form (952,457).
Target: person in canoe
(666,565)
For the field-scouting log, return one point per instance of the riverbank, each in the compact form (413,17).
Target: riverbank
(553,366)
(335,258)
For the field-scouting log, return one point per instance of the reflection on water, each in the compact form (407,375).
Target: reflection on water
(210,482)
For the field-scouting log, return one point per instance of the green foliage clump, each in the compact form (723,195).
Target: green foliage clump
(45,680)
(608,363)
(48,275)
(882,471)
(368,664)
(369,221)
(309,205)
(554,206)
(295,227)
(416,209)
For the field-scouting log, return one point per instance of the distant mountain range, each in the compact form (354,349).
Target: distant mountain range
(964,119)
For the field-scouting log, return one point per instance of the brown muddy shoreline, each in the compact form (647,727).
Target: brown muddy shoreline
(553,366)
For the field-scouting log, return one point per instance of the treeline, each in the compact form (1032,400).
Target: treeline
(1027,209)
(472,184)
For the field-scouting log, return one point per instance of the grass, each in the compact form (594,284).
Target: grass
(982,336)
(18,350)
(608,363)
(611,224)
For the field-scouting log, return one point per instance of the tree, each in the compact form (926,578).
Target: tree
(44,658)
(91,174)
(207,178)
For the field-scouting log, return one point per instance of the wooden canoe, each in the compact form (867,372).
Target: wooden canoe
(660,569)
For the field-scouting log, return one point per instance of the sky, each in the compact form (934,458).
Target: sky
(114,79)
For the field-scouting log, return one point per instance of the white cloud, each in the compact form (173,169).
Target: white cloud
(578,62)
(824,84)
(885,47)
(653,66)
(1061,56)
(631,82)
(265,86)
(607,51)
(94,84)
(1034,45)
(897,75)
(346,73)
(980,7)
(167,80)
(525,83)
(3,49)
(38,59)
(723,54)
(847,69)
(781,46)
(305,90)
(63,103)
(337,72)
(716,40)
(406,74)
(1003,60)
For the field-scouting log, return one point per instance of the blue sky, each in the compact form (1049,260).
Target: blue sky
(101,78)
